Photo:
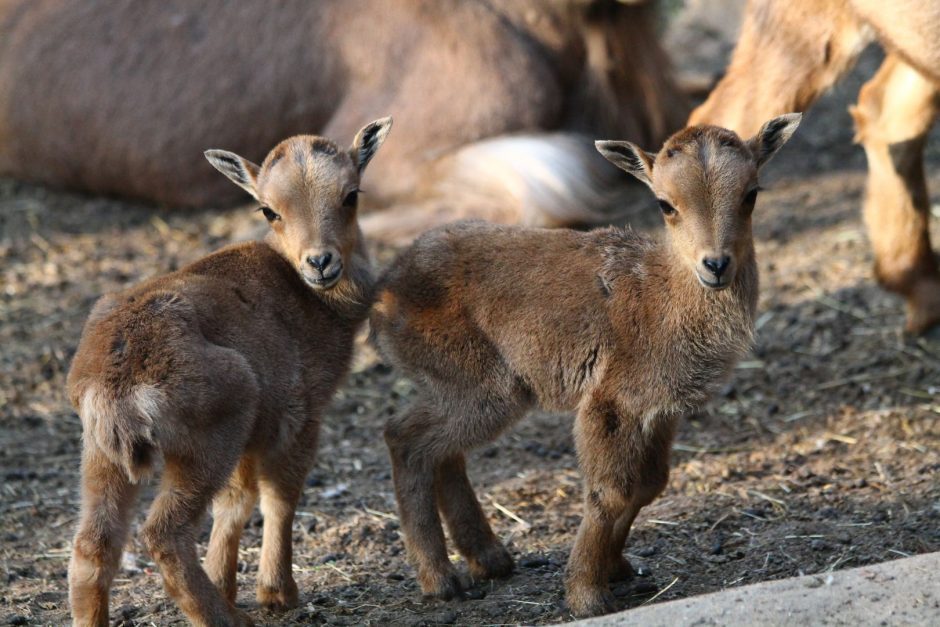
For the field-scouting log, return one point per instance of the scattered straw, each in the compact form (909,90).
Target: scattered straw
(660,593)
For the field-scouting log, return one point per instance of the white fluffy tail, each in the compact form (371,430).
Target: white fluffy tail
(123,428)
(551,180)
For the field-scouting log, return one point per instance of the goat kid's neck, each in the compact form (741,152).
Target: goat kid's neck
(351,298)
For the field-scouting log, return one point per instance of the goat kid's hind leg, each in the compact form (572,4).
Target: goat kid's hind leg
(231,509)
(281,481)
(107,504)
(895,111)
(412,452)
(170,535)
(466,522)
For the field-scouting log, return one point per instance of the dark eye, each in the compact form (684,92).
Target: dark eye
(749,199)
(351,199)
(666,208)
(270,214)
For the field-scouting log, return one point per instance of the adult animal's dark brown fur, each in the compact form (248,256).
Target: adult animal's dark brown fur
(122,96)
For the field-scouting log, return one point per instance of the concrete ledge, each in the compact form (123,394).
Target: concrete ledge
(900,592)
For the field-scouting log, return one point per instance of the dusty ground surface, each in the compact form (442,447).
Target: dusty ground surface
(822,453)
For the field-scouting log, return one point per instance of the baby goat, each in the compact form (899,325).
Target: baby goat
(223,369)
(491,321)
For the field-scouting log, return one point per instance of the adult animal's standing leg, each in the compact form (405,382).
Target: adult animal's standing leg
(895,112)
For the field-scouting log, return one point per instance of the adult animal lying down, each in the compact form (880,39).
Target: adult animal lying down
(121,98)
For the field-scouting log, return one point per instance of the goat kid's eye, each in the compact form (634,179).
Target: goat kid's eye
(666,208)
(270,214)
(351,199)
(750,199)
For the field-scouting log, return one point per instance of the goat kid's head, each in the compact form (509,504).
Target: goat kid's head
(705,181)
(308,189)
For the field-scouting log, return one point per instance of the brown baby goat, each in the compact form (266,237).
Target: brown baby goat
(223,369)
(491,321)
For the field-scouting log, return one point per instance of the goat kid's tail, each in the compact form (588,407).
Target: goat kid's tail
(123,428)
(548,180)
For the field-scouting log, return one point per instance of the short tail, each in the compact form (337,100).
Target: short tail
(550,180)
(123,428)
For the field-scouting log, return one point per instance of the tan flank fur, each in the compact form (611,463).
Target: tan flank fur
(491,321)
(222,369)
(791,51)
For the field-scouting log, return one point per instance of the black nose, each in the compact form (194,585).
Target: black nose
(320,262)
(717,266)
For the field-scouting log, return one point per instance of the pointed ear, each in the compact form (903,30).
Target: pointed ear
(772,136)
(239,170)
(368,140)
(629,158)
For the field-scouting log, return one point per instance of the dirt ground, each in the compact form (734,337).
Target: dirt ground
(822,453)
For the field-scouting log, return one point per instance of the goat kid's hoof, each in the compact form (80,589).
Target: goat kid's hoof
(491,563)
(621,569)
(444,586)
(278,599)
(240,618)
(587,601)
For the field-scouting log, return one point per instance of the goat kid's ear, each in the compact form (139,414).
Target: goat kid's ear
(772,136)
(368,140)
(239,170)
(629,158)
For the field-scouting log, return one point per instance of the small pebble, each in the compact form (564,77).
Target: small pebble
(536,561)
(645,551)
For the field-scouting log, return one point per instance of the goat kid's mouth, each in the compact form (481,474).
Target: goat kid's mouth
(325,280)
(720,284)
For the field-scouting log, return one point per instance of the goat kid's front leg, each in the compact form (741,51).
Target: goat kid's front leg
(620,568)
(277,589)
(413,473)
(231,509)
(281,480)
(589,566)
(625,462)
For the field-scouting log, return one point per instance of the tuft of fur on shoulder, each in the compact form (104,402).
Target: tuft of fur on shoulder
(625,253)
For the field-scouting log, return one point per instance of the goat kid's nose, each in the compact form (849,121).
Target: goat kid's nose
(320,262)
(717,266)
